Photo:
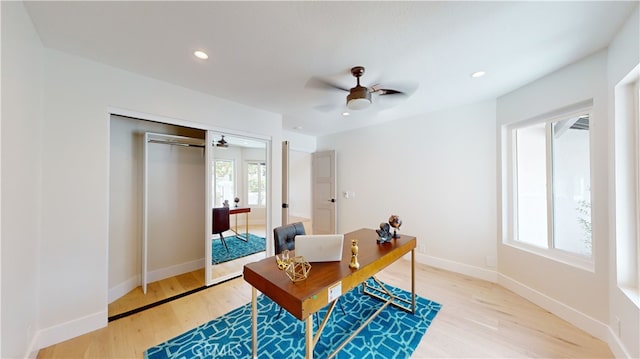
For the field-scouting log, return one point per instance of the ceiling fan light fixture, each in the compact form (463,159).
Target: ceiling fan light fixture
(222,143)
(200,54)
(359,98)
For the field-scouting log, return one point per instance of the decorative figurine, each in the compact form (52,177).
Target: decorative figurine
(283,259)
(395,222)
(225,203)
(354,254)
(383,233)
(236,200)
(298,269)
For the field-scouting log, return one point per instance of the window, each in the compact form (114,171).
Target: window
(551,185)
(627,184)
(256,183)
(635,115)
(224,182)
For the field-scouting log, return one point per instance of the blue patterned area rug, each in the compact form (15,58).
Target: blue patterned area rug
(237,248)
(392,334)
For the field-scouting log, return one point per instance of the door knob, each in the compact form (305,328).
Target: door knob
(332,200)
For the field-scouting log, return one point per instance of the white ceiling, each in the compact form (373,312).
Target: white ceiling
(262,54)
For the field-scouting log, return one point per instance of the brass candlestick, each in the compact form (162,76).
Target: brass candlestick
(354,255)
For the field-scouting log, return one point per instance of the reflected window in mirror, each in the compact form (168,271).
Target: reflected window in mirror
(224,183)
(256,183)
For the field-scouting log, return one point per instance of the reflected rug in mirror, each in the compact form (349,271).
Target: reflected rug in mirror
(392,334)
(237,248)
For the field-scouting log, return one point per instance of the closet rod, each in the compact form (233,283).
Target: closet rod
(175,143)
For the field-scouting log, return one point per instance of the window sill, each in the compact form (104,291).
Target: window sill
(570,259)
(632,293)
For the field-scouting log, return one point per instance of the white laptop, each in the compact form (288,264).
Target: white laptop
(319,247)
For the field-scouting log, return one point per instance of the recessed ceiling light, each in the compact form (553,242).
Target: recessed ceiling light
(201,54)
(478,74)
(345,114)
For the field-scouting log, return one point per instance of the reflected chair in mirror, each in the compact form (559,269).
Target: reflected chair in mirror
(221,223)
(284,239)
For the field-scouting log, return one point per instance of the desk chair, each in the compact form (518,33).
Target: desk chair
(284,236)
(221,223)
(284,239)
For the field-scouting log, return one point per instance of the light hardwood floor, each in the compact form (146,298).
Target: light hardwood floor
(478,320)
(163,289)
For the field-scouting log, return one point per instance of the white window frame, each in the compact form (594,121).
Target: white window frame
(627,164)
(637,114)
(246,179)
(510,190)
(235,179)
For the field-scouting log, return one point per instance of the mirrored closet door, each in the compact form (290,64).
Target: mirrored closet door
(238,202)
(165,181)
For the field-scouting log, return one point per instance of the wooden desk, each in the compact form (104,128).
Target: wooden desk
(236,211)
(304,298)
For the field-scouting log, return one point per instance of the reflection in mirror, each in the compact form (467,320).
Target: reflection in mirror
(156,196)
(175,188)
(239,184)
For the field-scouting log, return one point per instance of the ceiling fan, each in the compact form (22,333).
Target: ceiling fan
(359,97)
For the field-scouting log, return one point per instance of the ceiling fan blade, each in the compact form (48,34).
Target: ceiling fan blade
(318,83)
(407,89)
(383,92)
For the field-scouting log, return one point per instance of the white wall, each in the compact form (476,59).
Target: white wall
(72,270)
(554,283)
(21,177)
(299,141)
(623,56)
(436,171)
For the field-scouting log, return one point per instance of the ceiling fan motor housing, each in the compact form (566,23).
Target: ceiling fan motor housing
(359,98)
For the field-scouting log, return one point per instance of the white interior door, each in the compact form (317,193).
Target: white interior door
(323,176)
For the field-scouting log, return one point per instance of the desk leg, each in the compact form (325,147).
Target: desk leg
(413,281)
(254,322)
(309,338)
(241,237)
(246,226)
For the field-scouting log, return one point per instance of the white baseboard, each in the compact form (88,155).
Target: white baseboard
(128,285)
(617,348)
(65,331)
(123,288)
(583,321)
(590,325)
(167,272)
(457,267)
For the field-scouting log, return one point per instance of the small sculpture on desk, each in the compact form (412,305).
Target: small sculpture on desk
(283,260)
(236,200)
(298,269)
(383,233)
(395,222)
(354,255)
(225,203)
